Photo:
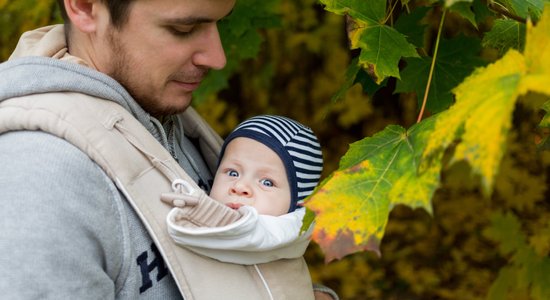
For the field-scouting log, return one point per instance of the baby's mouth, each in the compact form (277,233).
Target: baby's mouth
(234,205)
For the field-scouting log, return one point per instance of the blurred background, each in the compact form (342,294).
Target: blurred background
(297,67)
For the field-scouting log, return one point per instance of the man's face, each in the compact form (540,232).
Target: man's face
(165,50)
(250,173)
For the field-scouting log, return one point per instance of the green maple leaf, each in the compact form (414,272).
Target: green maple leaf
(533,272)
(451,3)
(464,9)
(412,27)
(456,59)
(544,144)
(524,8)
(381,49)
(481,11)
(540,280)
(377,173)
(526,269)
(381,46)
(546,119)
(507,278)
(349,79)
(506,230)
(239,33)
(505,34)
(373,10)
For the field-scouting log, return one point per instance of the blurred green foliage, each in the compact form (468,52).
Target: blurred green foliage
(299,64)
(20,16)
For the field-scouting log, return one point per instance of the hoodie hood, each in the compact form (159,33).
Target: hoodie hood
(41,64)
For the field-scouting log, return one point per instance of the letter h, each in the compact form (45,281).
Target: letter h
(145,268)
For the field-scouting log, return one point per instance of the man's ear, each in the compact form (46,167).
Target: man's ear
(82,14)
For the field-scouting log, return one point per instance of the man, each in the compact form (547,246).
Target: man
(68,230)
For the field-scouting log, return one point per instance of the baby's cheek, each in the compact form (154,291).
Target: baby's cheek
(216,193)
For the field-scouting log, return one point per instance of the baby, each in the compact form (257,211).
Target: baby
(268,165)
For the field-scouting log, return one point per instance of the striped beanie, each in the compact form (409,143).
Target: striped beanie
(294,143)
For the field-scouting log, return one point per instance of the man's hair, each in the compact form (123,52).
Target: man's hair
(118,10)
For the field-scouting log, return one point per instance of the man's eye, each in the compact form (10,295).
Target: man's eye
(267,182)
(181,32)
(233,173)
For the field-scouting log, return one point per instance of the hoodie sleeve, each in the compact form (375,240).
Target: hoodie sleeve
(61,230)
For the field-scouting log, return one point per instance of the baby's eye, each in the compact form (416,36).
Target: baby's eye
(233,173)
(267,182)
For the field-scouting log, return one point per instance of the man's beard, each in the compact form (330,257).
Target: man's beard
(122,66)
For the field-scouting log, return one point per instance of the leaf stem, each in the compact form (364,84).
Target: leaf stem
(390,13)
(432,67)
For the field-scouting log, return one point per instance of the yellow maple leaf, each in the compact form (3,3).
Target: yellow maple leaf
(481,117)
(537,55)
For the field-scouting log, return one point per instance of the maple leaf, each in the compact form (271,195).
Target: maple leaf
(481,11)
(526,267)
(450,3)
(540,240)
(544,143)
(506,230)
(507,277)
(349,80)
(352,205)
(524,8)
(411,26)
(241,39)
(481,117)
(381,46)
(457,58)
(533,270)
(398,166)
(505,34)
(537,56)
(463,8)
(545,122)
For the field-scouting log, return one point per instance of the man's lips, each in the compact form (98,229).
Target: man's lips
(189,81)
(188,85)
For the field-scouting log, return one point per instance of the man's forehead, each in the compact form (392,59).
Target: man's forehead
(187,12)
(201,8)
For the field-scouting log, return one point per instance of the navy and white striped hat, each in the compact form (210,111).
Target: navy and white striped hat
(296,145)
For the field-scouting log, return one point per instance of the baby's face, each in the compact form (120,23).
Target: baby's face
(250,173)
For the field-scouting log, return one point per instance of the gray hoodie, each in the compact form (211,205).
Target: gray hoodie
(67,232)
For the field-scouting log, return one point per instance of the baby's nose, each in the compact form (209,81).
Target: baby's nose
(242,189)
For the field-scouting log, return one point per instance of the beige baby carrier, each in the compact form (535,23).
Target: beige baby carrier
(143,170)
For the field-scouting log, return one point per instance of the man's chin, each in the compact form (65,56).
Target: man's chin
(167,110)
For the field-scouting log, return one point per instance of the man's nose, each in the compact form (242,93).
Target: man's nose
(211,54)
